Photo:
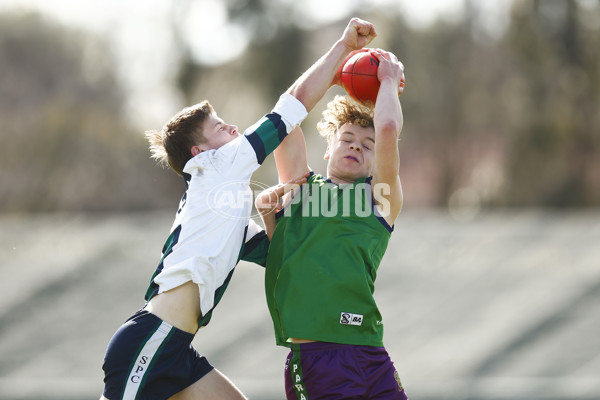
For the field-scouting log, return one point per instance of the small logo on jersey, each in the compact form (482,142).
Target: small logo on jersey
(351,319)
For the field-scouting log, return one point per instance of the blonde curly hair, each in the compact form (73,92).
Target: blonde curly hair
(343,110)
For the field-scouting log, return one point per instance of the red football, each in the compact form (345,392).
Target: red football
(359,77)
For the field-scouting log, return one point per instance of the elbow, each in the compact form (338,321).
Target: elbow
(390,127)
(301,94)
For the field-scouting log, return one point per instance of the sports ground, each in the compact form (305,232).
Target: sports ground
(506,306)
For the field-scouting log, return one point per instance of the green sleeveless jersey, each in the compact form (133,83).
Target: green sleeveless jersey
(322,265)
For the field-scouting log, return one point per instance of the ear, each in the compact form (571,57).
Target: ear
(327,154)
(196,150)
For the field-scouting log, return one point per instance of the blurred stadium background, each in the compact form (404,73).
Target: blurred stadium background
(491,286)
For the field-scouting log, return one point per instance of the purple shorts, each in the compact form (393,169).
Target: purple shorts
(339,371)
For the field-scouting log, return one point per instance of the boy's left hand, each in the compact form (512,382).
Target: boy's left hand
(270,200)
(390,67)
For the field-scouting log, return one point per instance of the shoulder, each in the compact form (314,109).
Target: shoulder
(237,153)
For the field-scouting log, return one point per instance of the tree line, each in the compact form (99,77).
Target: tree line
(513,120)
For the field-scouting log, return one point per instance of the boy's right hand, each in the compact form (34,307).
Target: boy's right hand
(358,34)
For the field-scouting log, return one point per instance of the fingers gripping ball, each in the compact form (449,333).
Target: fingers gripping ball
(359,77)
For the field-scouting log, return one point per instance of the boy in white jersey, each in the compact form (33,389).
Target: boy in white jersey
(327,244)
(150,356)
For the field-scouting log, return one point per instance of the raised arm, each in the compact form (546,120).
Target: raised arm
(290,156)
(388,122)
(325,72)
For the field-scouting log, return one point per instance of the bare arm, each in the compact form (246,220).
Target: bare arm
(388,122)
(290,156)
(269,201)
(324,73)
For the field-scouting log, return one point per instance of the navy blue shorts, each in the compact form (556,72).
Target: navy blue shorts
(315,371)
(150,359)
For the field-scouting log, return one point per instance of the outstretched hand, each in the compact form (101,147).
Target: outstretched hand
(390,67)
(270,200)
(356,36)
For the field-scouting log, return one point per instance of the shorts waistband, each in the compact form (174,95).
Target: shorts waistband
(322,346)
(152,318)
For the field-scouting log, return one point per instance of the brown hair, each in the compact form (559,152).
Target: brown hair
(343,110)
(172,145)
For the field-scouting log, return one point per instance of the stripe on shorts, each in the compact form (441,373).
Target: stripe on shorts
(144,360)
(295,369)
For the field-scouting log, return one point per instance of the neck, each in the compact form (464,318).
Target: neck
(339,181)
(339,178)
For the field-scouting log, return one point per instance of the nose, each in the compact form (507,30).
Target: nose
(232,129)
(356,147)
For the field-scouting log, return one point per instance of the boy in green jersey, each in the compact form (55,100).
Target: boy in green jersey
(150,356)
(327,243)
